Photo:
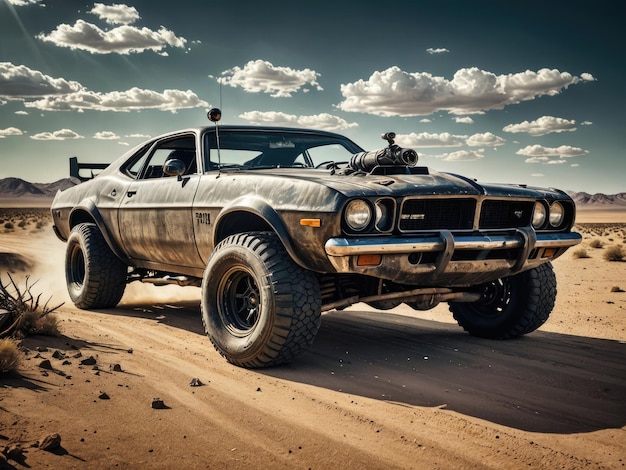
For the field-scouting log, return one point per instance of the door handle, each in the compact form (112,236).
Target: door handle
(131,193)
(113,192)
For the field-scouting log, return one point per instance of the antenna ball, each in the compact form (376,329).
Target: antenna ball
(214,114)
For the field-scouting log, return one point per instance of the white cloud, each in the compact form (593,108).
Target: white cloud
(260,76)
(10,131)
(40,91)
(21,113)
(428,140)
(550,155)
(394,92)
(21,3)
(62,134)
(121,40)
(486,139)
(425,120)
(542,126)
(564,151)
(586,123)
(322,121)
(464,156)
(121,101)
(438,50)
(106,135)
(138,136)
(538,175)
(464,120)
(116,13)
(19,81)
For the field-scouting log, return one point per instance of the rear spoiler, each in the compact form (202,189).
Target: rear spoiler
(75,168)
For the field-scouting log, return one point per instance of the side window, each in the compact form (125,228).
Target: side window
(181,148)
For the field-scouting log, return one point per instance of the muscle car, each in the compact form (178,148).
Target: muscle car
(277,225)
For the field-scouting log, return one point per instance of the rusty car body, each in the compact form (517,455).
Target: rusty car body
(278,225)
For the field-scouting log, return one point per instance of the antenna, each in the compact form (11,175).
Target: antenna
(214,115)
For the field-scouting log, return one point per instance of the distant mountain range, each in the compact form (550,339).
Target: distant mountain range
(16,188)
(599,199)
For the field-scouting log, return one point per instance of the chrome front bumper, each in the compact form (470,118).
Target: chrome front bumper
(458,260)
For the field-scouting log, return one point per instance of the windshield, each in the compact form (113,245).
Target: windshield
(249,149)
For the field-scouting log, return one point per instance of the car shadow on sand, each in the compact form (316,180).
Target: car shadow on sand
(543,382)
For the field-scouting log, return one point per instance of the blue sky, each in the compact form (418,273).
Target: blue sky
(516,92)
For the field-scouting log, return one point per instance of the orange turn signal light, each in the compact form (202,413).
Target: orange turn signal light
(368,260)
(311,222)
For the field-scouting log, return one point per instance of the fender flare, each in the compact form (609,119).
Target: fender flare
(268,214)
(89,207)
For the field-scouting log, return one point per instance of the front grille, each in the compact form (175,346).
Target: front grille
(437,214)
(505,214)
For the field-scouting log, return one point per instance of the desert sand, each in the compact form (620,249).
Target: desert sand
(396,389)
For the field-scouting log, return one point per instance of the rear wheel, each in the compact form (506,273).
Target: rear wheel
(259,308)
(95,277)
(511,306)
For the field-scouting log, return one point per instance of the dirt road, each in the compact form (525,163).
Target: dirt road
(376,390)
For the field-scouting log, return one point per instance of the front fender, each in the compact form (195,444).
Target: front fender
(260,217)
(87,211)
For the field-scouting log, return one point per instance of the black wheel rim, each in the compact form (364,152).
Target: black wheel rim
(238,300)
(496,297)
(76,267)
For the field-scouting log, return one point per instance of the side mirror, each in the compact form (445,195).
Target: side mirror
(174,167)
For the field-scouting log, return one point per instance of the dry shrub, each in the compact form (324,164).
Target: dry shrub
(580,253)
(10,356)
(596,243)
(26,315)
(615,253)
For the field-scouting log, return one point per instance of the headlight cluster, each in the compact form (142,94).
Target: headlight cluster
(545,216)
(360,215)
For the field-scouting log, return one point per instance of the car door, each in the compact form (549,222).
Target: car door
(155,216)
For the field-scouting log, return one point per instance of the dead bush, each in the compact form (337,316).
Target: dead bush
(615,253)
(26,316)
(596,243)
(10,356)
(580,253)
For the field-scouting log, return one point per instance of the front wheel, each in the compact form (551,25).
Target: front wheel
(259,308)
(511,306)
(95,277)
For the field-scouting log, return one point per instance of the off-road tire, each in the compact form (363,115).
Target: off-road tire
(95,277)
(511,307)
(259,308)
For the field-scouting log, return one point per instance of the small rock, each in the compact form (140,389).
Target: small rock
(50,443)
(77,355)
(258,389)
(195,382)
(115,368)
(58,355)
(104,396)
(158,404)
(130,351)
(45,364)
(90,361)
(14,452)
(66,363)
(42,349)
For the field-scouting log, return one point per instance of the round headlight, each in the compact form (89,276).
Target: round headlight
(383,216)
(539,215)
(358,214)
(557,213)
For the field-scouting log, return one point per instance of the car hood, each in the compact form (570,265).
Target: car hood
(429,183)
